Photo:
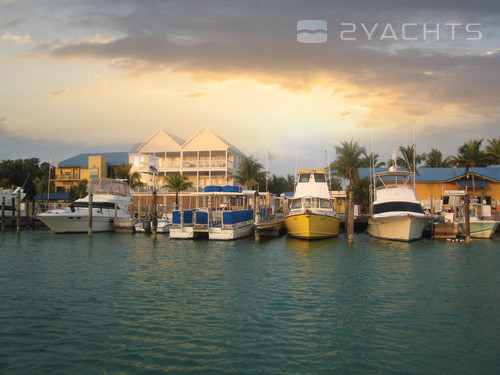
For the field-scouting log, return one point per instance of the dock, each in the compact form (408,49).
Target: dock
(272,227)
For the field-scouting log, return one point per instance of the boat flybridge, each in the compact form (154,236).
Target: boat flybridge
(396,213)
(310,213)
(111,199)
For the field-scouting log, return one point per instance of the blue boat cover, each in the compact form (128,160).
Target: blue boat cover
(176,217)
(213,189)
(201,217)
(235,217)
(188,217)
(231,189)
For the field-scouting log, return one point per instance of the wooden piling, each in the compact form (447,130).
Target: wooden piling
(18,213)
(431,201)
(90,213)
(257,215)
(154,215)
(467,220)
(3,213)
(350,219)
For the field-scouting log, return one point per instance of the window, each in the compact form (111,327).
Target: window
(304,177)
(319,177)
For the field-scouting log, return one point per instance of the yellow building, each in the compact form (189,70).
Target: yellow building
(436,181)
(69,172)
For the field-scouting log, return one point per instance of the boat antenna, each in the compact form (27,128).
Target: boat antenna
(414,160)
(26,180)
(372,190)
(296,170)
(327,156)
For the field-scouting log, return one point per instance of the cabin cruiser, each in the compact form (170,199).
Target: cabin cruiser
(396,212)
(111,199)
(163,225)
(310,213)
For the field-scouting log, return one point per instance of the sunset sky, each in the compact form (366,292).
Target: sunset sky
(95,76)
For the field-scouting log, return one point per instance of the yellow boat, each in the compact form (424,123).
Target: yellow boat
(310,214)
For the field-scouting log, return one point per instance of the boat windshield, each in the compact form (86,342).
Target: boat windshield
(319,177)
(304,177)
(108,186)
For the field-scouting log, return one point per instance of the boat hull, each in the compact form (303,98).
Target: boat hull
(481,229)
(311,226)
(397,228)
(226,234)
(77,224)
(185,233)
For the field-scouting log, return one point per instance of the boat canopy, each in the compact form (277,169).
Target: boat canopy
(108,186)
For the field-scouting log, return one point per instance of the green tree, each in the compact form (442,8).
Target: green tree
(177,182)
(406,159)
(434,159)
(493,150)
(250,173)
(122,172)
(40,184)
(350,156)
(470,156)
(361,192)
(80,190)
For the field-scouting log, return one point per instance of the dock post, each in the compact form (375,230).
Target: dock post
(90,213)
(27,209)
(257,215)
(18,213)
(467,219)
(431,201)
(154,215)
(3,213)
(13,208)
(350,219)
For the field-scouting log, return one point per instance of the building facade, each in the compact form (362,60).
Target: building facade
(206,159)
(71,171)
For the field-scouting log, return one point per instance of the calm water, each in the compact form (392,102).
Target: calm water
(125,304)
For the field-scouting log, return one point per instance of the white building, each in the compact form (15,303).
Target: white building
(206,159)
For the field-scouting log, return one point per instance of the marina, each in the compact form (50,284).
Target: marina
(117,303)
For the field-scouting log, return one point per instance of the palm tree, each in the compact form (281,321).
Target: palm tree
(493,150)
(350,156)
(406,161)
(470,156)
(177,183)
(133,180)
(250,173)
(40,185)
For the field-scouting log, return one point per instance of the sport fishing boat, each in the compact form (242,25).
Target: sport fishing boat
(310,213)
(111,199)
(396,212)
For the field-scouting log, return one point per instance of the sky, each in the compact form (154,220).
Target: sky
(100,76)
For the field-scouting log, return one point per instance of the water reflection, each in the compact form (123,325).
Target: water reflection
(313,245)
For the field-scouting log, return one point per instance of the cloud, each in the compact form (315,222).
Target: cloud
(58,93)
(195,95)
(21,39)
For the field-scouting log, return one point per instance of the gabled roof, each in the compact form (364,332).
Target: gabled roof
(444,174)
(82,160)
(207,140)
(161,141)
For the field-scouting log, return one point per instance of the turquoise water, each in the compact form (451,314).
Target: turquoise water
(127,304)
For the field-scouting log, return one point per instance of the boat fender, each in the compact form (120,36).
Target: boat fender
(72,208)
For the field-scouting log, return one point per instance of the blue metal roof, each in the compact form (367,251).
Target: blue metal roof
(82,160)
(443,174)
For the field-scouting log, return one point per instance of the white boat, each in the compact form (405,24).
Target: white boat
(11,202)
(163,225)
(479,225)
(111,199)
(310,214)
(182,225)
(223,215)
(396,212)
